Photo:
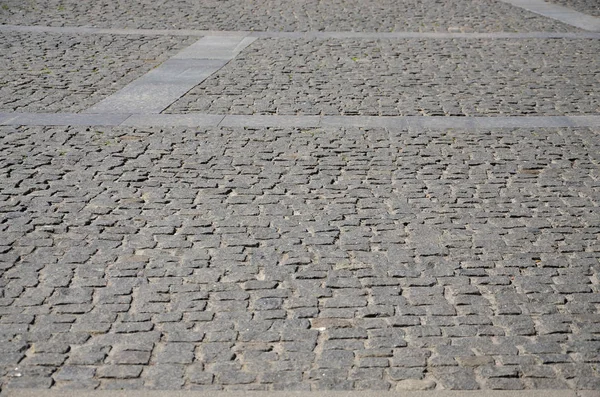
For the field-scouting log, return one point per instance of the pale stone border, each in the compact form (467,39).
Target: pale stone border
(303,35)
(358,393)
(559,13)
(265,121)
(158,89)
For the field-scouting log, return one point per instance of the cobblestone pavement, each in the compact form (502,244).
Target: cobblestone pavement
(42,72)
(336,15)
(293,258)
(410,77)
(293,253)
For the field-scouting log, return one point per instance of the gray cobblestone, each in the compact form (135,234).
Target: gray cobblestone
(68,73)
(387,78)
(224,316)
(381,16)
(589,7)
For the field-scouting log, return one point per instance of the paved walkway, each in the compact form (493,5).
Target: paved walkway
(221,197)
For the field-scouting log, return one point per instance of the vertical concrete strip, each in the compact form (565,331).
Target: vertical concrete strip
(159,88)
(215,47)
(560,13)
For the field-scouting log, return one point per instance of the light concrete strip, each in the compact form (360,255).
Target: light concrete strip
(159,88)
(261,121)
(560,13)
(537,122)
(303,35)
(438,122)
(79,119)
(364,121)
(6,117)
(361,393)
(116,31)
(173,120)
(216,47)
(425,35)
(441,122)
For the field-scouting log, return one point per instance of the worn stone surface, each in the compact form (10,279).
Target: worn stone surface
(300,253)
(272,258)
(338,15)
(404,77)
(69,73)
(589,7)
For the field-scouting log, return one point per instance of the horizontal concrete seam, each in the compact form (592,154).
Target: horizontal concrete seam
(205,119)
(167,120)
(559,13)
(424,35)
(303,35)
(56,119)
(270,121)
(324,393)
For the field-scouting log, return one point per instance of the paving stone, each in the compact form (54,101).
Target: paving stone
(415,384)
(588,7)
(119,371)
(380,313)
(382,16)
(74,373)
(163,377)
(36,78)
(304,78)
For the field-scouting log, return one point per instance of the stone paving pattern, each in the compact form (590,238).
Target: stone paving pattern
(275,15)
(299,258)
(589,7)
(295,258)
(404,77)
(41,72)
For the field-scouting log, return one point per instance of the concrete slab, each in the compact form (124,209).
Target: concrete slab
(73,119)
(173,120)
(213,120)
(560,13)
(156,90)
(216,47)
(6,117)
(270,121)
(588,393)
(364,121)
(361,393)
(301,35)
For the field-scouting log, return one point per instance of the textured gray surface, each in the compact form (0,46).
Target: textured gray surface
(41,72)
(560,13)
(301,35)
(322,393)
(404,77)
(159,88)
(165,84)
(43,119)
(299,258)
(590,7)
(264,121)
(287,232)
(337,15)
